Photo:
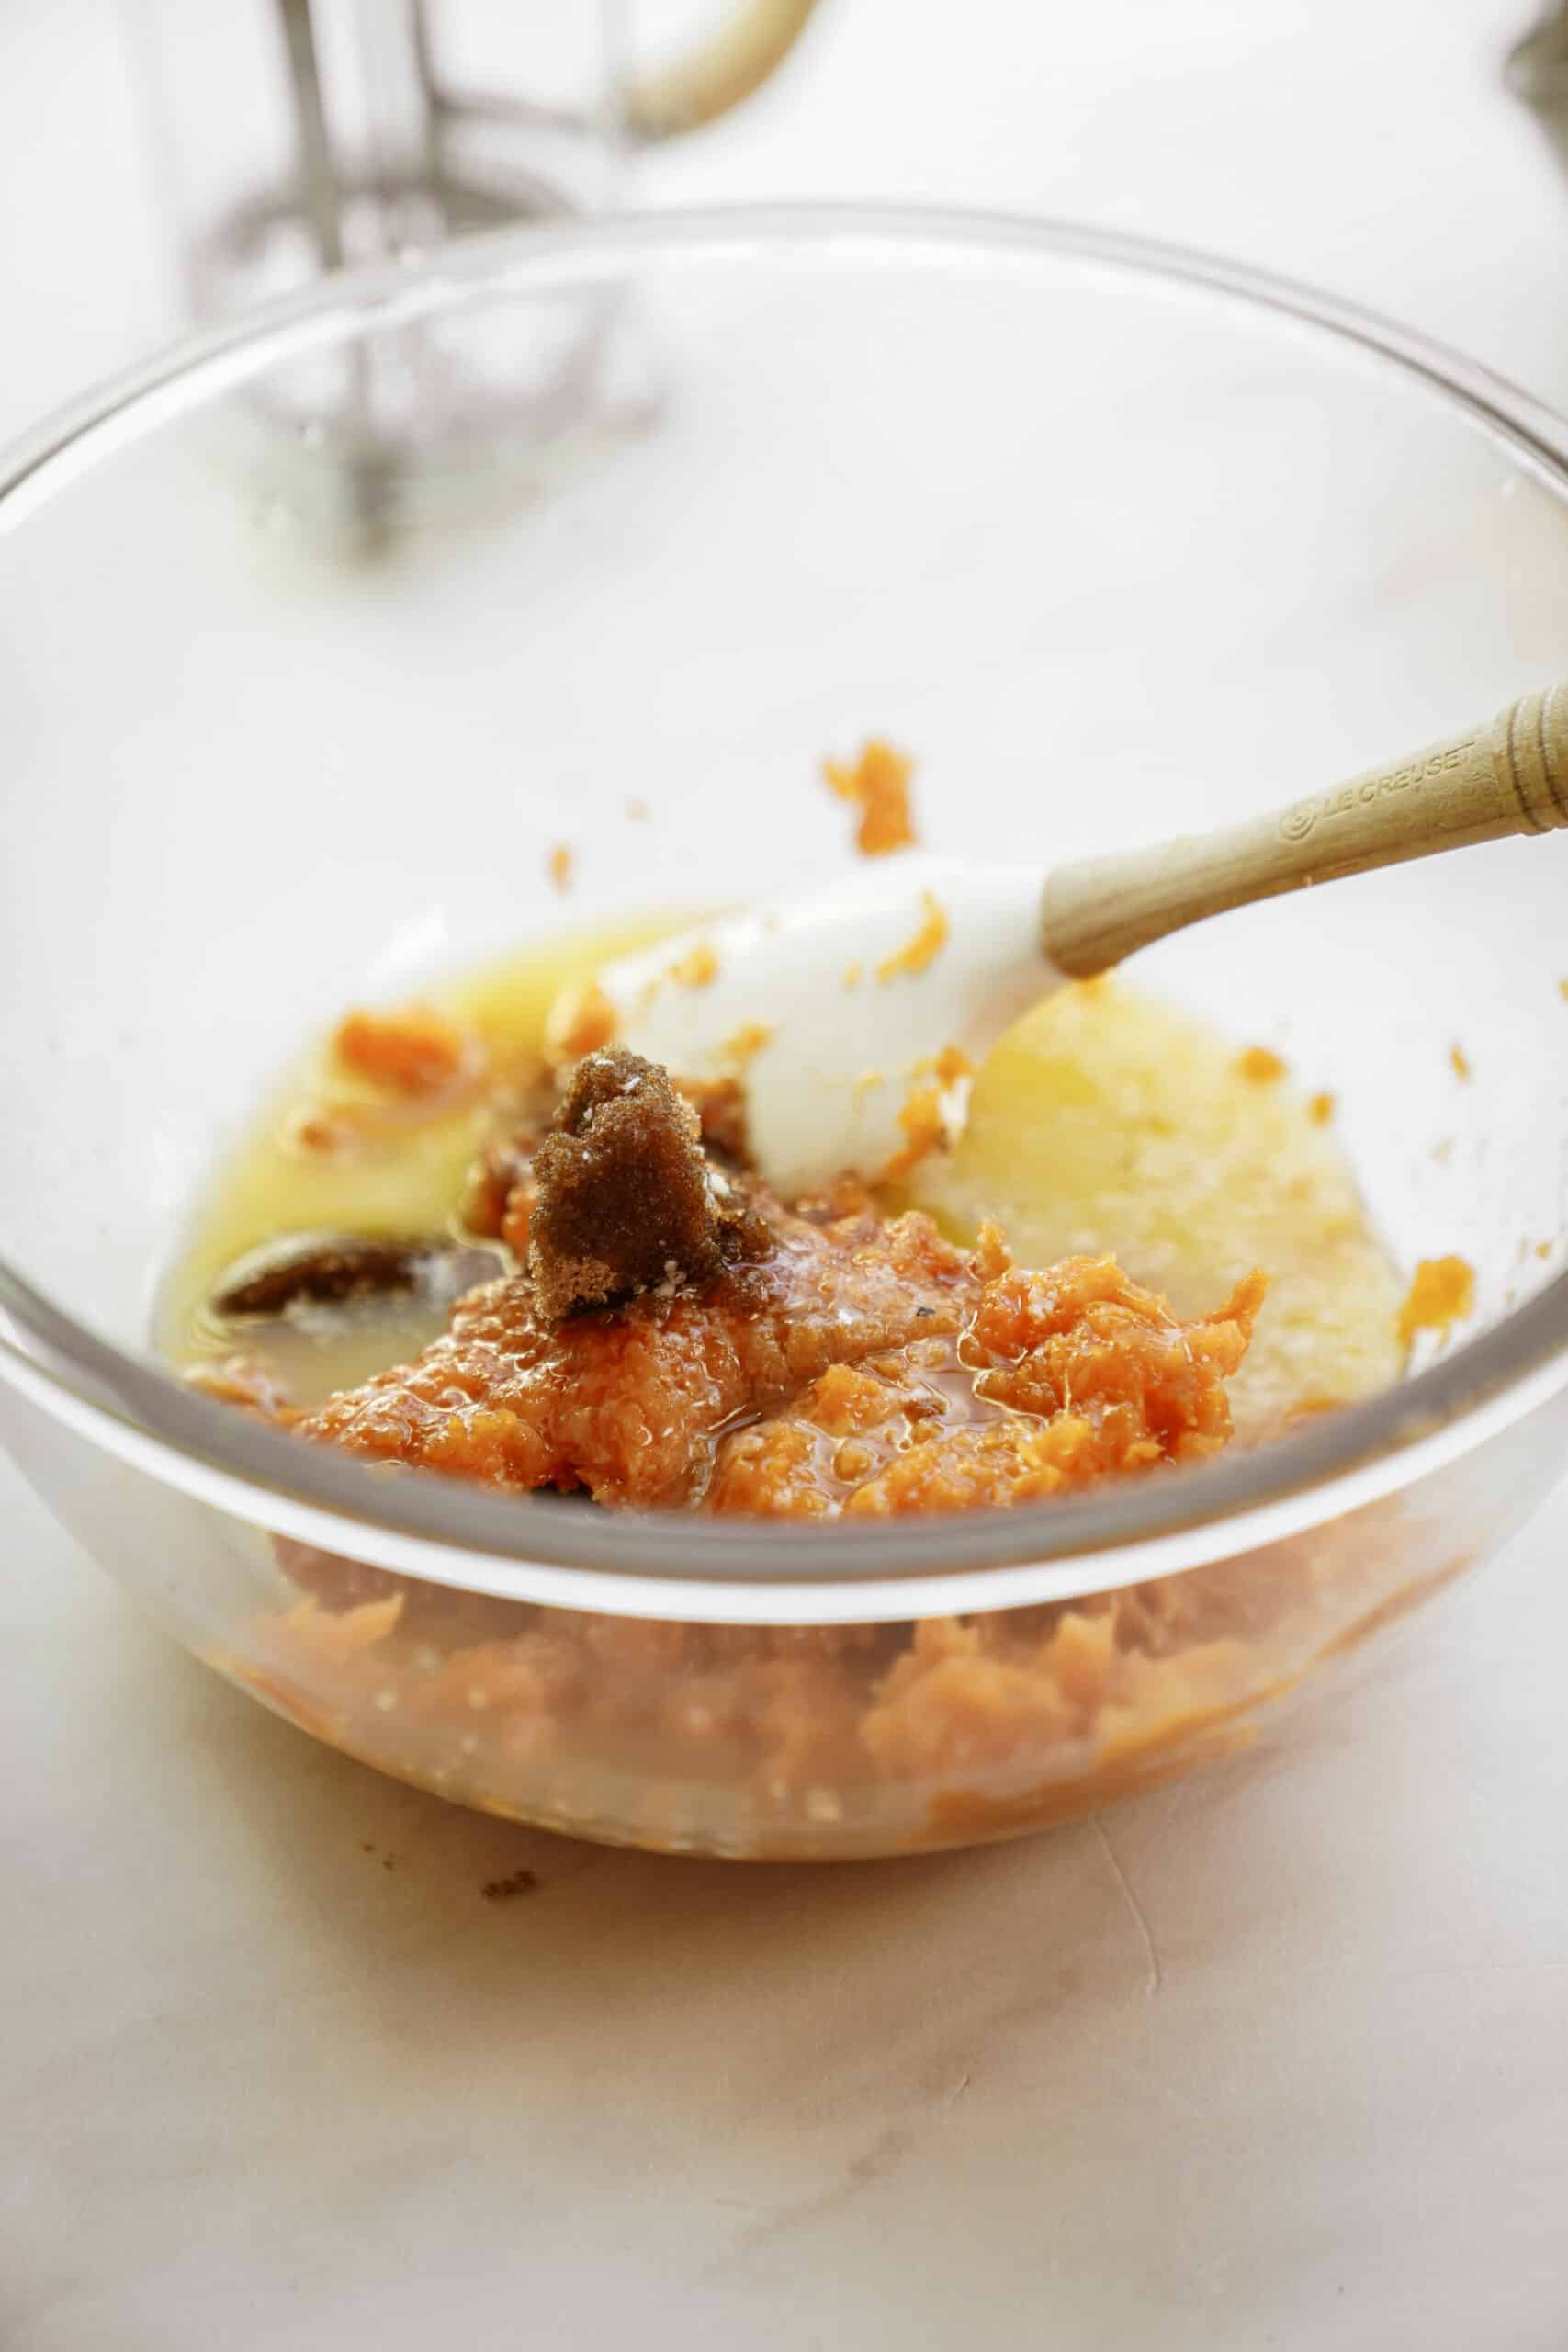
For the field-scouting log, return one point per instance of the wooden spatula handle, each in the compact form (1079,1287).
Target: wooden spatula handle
(1508,776)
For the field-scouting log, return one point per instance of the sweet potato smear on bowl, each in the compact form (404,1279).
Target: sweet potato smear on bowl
(802,1362)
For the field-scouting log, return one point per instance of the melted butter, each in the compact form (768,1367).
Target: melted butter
(410,1183)
(1103,1121)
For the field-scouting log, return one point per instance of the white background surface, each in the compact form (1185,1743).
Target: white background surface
(1277,2058)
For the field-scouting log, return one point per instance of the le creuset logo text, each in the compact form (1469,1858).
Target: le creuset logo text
(1297,821)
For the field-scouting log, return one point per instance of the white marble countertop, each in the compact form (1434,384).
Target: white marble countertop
(1274,2059)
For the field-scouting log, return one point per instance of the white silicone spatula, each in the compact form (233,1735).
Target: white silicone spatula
(833,1008)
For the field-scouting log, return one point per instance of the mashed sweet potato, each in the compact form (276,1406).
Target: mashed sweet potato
(679,1339)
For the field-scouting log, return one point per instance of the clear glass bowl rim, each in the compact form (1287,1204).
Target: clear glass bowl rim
(675,1565)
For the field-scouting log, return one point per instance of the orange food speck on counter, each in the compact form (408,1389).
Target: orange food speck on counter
(925,945)
(854,973)
(1459,1062)
(878,784)
(1260,1064)
(1320,1109)
(582,1021)
(1562,990)
(416,1051)
(1441,1293)
(697,969)
(743,1044)
(559,866)
(1543,1249)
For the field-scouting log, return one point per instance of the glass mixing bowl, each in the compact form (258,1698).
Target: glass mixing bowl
(1050,507)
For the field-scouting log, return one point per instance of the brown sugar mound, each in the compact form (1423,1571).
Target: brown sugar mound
(623,1197)
(501,1192)
(629,1403)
